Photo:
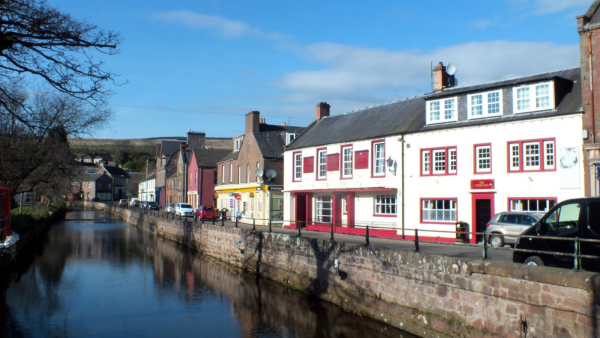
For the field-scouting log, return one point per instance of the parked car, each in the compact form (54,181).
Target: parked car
(576,218)
(95,199)
(206,212)
(500,228)
(184,209)
(123,203)
(170,208)
(135,202)
(151,205)
(143,204)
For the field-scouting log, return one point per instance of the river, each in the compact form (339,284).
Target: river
(98,277)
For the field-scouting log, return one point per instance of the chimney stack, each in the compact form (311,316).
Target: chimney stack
(196,140)
(252,121)
(322,110)
(440,78)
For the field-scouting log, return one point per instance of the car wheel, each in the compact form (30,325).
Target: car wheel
(497,241)
(534,260)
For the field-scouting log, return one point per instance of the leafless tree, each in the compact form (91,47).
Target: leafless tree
(36,154)
(38,42)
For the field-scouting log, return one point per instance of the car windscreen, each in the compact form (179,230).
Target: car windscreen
(187,206)
(208,209)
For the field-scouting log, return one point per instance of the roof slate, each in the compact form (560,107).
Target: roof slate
(231,156)
(210,157)
(86,177)
(115,171)
(403,117)
(271,139)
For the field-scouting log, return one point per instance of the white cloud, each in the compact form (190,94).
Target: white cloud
(223,26)
(353,73)
(553,6)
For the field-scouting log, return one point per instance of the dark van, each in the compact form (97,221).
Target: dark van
(575,218)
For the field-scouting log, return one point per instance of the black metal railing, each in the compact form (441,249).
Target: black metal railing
(318,225)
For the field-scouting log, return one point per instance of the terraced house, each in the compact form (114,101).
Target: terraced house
(426,163)
(250,179)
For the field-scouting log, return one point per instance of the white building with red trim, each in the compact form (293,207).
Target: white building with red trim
(458,154)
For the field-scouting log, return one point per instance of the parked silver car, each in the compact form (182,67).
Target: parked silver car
(184,209)
(503,225)
(170,208)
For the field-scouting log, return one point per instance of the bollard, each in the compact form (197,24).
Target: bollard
(331,230)
(222,221)
(269,225)
(213,220)
(576,263)
(416,240)
(485,248)
(254,224)
(195,218)
(236,220)
(367,241)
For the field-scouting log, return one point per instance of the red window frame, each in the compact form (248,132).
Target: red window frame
(294,179)
(521,159)
(455,199)
(475,146)
(431,164)
(373,157)
(351,146)
(317,165)
(508,199)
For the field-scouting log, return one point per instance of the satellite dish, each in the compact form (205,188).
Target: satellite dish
(271,174)
(259,172)
(451,69)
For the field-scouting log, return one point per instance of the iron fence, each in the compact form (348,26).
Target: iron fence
(365,229)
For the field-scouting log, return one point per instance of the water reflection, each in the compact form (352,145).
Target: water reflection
(112,280)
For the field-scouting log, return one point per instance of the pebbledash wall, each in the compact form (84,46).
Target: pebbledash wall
(428,295)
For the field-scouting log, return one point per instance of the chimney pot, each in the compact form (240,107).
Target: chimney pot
(322,110)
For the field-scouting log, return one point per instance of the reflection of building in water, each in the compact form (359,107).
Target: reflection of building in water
(259,306)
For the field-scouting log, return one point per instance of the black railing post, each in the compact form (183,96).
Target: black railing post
(269,225)
(367,240)
(331,230)
(254,224)
(236,220)
(416,240)
(576,265)
(299,225)
(212,220)
(485,248)
(195,218)
(222,221)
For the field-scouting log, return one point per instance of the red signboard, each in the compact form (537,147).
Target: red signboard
(333,162)
(482,184)
(238,197)
(361,159)
(309,165)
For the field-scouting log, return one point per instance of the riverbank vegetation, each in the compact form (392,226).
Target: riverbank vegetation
(39,214)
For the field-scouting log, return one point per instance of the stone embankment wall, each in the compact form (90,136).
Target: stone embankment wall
(428,295)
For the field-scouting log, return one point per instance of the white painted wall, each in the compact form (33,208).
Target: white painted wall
(566,130)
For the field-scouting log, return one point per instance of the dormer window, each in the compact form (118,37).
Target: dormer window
(534,97)
(443,110)
(289,137)
(238,144)
(485,104)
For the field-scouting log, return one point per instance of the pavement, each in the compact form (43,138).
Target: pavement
(465,251)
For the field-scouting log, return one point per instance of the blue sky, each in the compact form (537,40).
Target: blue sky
(204,64)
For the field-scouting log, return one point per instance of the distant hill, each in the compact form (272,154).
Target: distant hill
(95,143)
